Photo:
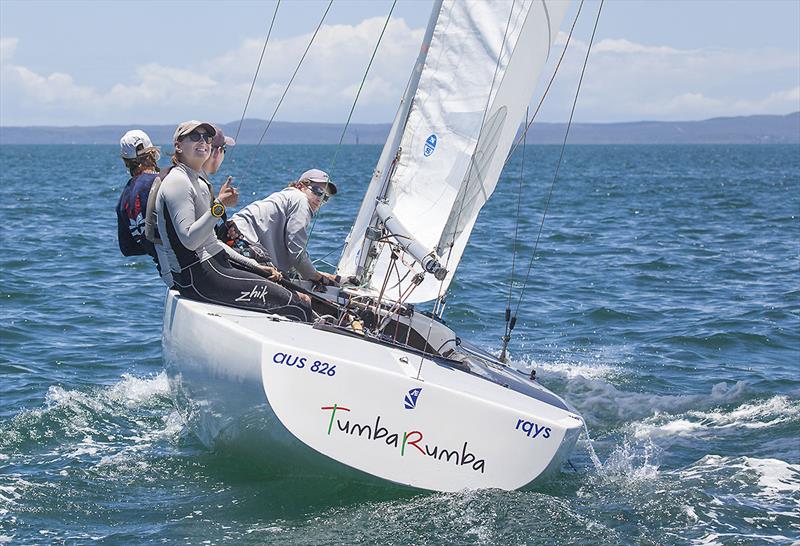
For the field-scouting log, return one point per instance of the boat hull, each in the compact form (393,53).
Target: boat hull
(307,401)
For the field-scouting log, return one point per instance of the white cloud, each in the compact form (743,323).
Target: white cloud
(7,47)
(629,81)
(55,88)
(216,88)
(624,81)
(625,46)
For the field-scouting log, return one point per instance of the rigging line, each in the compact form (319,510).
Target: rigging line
(329,253)
(297,68)
(516,230)
(294,74)
(547,89)
(353,107)
(560,157)
(358,94)
(255,76)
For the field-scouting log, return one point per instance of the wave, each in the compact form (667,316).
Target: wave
(721,340)
(121,409)
(566,369)
(754,415)
(601,403)
(769,485)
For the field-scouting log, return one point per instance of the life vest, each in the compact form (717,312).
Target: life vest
(131,210)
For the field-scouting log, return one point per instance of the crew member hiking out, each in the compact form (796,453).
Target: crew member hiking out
(200,263)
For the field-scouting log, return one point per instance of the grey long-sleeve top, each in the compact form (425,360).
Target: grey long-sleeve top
(187,197)
(280,223)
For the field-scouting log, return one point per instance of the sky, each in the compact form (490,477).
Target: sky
(99,62)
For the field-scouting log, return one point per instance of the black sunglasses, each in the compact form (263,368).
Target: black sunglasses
(194,136)
(319,192)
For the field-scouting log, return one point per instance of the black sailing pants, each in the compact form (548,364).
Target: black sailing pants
(216,281)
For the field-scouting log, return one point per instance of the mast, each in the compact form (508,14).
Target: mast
(362,232)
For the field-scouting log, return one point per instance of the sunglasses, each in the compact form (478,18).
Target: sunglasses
(319,192)
(194,136)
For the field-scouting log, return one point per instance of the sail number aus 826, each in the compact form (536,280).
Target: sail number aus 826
(301,362)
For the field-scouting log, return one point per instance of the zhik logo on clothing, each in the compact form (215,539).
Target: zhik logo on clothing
(430,145)
(257,293)
(411,398)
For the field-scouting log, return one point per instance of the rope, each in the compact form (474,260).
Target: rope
(255,76)
(297,68)
(558,165)
(341,246)
(509,322)
(288,85)
(352,109)
(516,232)
(544,95)
(360,87)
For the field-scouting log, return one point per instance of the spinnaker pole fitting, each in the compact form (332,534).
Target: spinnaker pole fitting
(423,255)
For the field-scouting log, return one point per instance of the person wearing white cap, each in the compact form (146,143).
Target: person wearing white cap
(141,160)
(280,223)
(187,212)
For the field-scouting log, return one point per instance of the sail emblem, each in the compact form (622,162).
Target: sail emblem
(411,398)
(430,145)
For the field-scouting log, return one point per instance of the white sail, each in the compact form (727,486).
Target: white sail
(444,157)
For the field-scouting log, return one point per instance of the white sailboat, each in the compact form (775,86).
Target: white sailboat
(372,388)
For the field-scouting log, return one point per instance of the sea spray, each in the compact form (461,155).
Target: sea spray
(595,459)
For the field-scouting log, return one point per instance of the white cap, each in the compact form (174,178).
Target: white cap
(134,143)
(319,176)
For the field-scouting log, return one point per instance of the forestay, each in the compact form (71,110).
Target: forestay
(475,75)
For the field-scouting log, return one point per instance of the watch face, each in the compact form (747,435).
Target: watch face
(217,209)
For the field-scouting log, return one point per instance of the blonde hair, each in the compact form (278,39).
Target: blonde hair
(147,160)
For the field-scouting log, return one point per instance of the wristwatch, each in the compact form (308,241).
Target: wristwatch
(217,209)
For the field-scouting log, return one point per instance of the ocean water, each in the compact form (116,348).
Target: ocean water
(664,304)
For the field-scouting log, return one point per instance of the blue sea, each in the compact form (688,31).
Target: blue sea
(663,303)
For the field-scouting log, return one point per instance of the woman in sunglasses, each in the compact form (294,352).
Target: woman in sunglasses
(201,265)
(280,223)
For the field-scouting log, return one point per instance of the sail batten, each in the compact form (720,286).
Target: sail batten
(444,158)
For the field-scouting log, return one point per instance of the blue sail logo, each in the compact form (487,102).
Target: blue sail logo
(430,145)
(411,398)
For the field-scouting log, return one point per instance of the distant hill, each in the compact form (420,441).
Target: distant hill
(730,130)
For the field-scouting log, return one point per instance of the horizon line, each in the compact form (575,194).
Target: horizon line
(796,112)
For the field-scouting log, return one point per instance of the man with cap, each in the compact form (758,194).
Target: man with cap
(219,145)
(141,160)
(280,223)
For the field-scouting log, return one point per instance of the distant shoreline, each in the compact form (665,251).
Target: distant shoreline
(761,129)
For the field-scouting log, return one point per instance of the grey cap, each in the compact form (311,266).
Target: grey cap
(320,177)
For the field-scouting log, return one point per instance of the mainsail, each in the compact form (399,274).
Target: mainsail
(474,77)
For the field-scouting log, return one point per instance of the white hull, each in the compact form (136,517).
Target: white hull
(313,401)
